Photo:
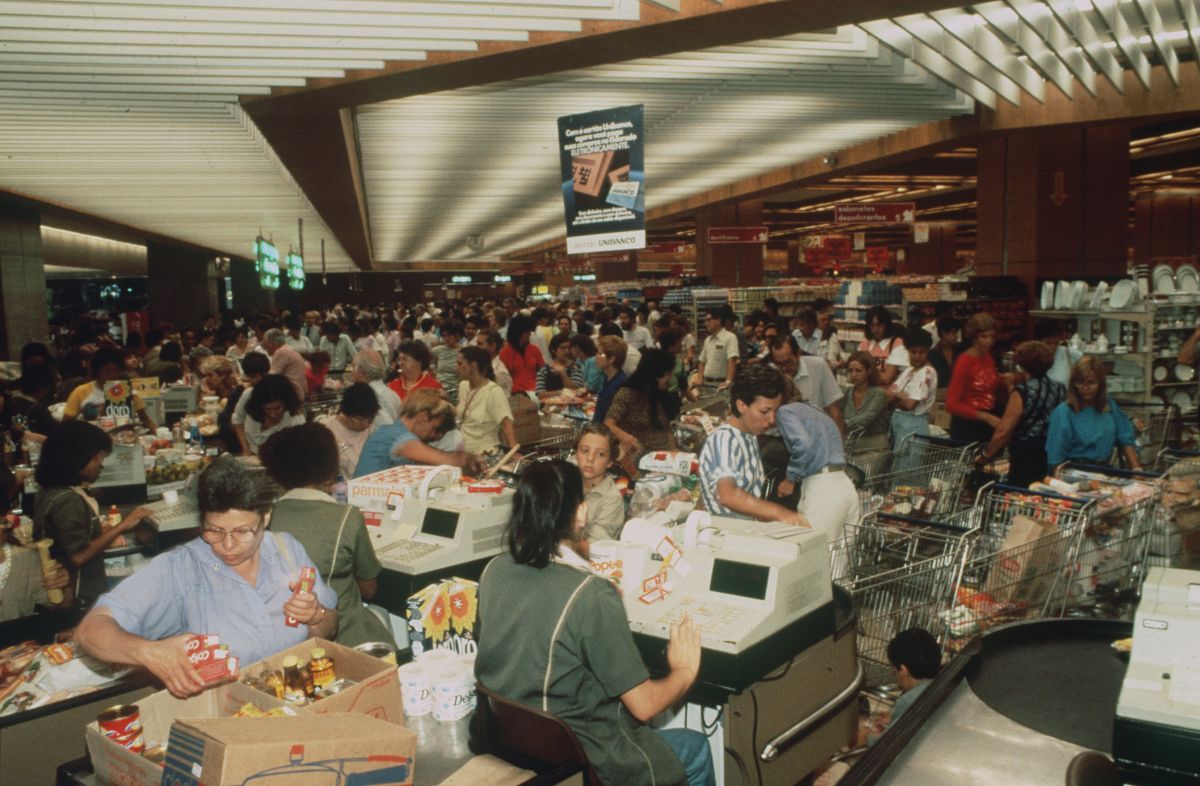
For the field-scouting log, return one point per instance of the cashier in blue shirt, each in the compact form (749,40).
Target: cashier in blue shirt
(425,416)
(817,461)
(1089,425)
(234,581)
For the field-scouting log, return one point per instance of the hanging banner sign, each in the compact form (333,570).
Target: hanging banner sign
(603,179)
(877,213)
(752,235)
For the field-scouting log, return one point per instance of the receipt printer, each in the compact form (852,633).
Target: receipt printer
(1156,735)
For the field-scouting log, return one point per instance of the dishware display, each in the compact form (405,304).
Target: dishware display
(1047,300)
(1164,280)
(1098,295)
(1160,373)
(1062,295)
(1187,279)
(1184,373)
(1182,400)
(1122,294)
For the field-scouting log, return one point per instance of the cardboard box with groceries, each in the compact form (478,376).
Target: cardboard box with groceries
(342,748)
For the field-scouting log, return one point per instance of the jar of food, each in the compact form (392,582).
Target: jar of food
(321,667)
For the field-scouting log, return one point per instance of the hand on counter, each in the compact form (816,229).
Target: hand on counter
(683,648)
(135,517)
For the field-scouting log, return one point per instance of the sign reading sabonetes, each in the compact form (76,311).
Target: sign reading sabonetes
(603,179)
(875,213)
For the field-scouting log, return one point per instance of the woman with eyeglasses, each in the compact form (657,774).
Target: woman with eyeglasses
(235,581)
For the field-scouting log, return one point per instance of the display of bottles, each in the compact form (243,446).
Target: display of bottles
(274,682)
(293,681)
(321,667)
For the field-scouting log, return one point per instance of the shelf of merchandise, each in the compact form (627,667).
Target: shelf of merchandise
(1162,326)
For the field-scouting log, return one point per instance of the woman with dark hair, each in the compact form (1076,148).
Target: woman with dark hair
(273,405)
(519,356)
(562,372)
(67,514)
(864,409)
(971,395)
(352,425)
(553,635)
(169,365)
(610,360)
(413,359)
(304,461)
(483,411)
(1089,425)
(883,343)
(1026,418)
(232,581)
(641,411)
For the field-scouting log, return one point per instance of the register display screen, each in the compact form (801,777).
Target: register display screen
(739,578)
(440,523)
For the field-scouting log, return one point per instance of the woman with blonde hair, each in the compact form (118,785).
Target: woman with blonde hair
(425,416)
(864,408)
(1089,424)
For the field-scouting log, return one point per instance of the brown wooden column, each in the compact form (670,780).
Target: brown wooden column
(938,254)
(1054,203)
(730,264)
(1166,224)
(22,282)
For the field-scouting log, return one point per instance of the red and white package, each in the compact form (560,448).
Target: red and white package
(308,579)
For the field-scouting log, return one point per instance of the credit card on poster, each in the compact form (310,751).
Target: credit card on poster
(623,194)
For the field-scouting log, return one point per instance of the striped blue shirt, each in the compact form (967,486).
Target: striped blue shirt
(730,453)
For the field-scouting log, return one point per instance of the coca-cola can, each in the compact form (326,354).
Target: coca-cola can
(123,725)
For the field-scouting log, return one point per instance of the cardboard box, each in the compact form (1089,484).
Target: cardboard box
(341,748)
(376,692)
(526,420)
(119,766)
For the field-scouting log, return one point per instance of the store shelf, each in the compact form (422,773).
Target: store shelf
(1126,316)
(1193,383)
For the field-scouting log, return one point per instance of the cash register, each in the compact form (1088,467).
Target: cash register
(1156,735)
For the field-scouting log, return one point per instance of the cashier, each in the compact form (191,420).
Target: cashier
(554,636)
(234,581)
(103,397)
(425,416)
(732,479)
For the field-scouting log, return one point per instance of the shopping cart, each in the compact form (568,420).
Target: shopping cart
(1175,538)
(1112,552)
(927,479)
(902,573)
(871,464)
(693,425)
(1155,425)
(323,402)
(1021,561)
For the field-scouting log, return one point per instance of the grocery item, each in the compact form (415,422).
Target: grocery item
(321,667)
(308,579)
(293,681)
(123,725)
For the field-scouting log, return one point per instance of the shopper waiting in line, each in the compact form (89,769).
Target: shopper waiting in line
(235,581)
(520,357)
(493,343)
(641,411)
(445,357)
(584,350)
(595,452)
(413,359)
(945,351)
(352,425)
(915,658)
(816,463)
(610,359)
(1089,425)
(103,396)
(272,405)
(912,395)
(369,368)
(732,479)
(1026,421)
(882,344)
(484,414)
(562,372)
(865,411)
(338,345)
(555,636)
(305,462)
(719,356)
(971,396)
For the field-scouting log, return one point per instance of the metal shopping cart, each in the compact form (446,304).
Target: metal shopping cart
(903,572)
(1111,560)
(1175,537)
(1021,561)
(927,479)
(871,464)
(1156,426)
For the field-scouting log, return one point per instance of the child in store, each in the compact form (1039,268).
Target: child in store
(595,451)
(912,396)
(916,658)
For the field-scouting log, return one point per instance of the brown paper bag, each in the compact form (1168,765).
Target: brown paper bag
(1028,562)
(526,419)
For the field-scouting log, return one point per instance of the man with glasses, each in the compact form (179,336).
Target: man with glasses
(233,581)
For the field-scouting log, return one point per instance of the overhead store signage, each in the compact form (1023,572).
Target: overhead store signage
(666,248)
(501,279)
(585,276)
(875,213)
(266,264)
(603,179)
(460,279)
(752,235)
(295,271)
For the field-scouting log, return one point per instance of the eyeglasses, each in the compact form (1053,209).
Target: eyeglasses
(239,535)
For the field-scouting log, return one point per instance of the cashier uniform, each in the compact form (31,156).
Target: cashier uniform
(817,463)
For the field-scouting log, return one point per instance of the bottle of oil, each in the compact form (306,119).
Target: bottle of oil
(293,681)
(321,668)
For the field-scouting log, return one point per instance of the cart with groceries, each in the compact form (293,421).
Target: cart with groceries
(1175,532)
(927,479)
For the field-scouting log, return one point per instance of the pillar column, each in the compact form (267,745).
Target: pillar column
(1054,203)
(1166,225)
(730,264)
(938,254)
(22,283)
(181,285)
(248,294)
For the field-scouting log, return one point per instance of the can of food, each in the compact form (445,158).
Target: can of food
(336,687)
(378,649)
(123,725)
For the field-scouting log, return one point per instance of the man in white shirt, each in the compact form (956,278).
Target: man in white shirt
(295,338)
(719,356)
(285,360)
(635,335)
(814,381)
(808,338)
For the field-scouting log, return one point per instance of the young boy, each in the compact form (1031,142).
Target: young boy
(916,658)
(912,394)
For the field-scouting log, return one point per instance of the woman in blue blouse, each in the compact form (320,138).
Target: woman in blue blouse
(1089,424)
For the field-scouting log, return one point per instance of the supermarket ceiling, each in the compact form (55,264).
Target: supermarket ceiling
(396,130)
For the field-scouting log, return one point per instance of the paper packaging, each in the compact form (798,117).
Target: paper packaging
(335,748)
(415,690)
(670,462)
(624,563)
(442,616)
(376,692)
(118,765)
(526,420)
(384,490)
(1029,562)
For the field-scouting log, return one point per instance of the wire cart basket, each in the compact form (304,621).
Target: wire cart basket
(1112,550)
(928,478)
(871,464)
(1021,563)
(1175,538)
(693,425)
(1155,426)
(902,572)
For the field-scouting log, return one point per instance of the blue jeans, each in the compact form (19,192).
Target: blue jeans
(694,754)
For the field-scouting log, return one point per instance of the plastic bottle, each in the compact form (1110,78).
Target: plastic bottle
(114,517)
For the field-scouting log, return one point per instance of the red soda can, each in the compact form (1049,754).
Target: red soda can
(123,725)
(308,579)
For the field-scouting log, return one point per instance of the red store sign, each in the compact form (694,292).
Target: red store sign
(749,235)
(877,213)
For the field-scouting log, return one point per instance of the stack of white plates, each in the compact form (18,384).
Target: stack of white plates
(1122,294)
(1163,279)
(1187,279)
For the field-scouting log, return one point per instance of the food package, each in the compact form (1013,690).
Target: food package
(669,462)
(442,616)
(1028,563)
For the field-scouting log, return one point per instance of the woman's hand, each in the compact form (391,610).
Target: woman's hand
(167,659)
(989,418)
(302,606)
(55,576)
(135,517)
(630,444)
(683,648)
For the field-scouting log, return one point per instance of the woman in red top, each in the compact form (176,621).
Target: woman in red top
(521,358)
(413,359)
(971,397)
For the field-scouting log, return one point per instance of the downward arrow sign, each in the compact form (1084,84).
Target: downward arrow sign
(1058,195)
